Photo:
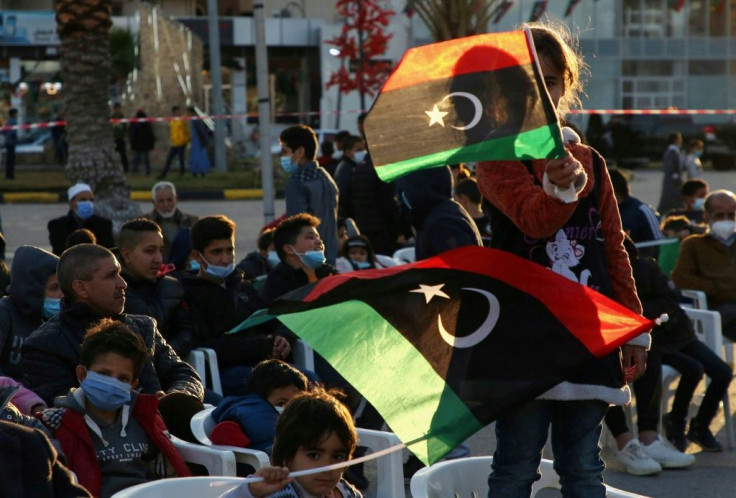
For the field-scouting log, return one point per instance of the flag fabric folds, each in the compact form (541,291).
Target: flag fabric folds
(441,347)
(476,98)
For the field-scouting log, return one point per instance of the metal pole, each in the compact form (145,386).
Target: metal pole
(216,79)
(264,110)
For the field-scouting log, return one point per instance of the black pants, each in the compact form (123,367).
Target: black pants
(648,391)
(9,162)
(174,152)
(120,147)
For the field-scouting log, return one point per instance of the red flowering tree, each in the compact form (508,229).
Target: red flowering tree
(362,38)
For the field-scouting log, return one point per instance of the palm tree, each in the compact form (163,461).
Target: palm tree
(448,19)
(83,27)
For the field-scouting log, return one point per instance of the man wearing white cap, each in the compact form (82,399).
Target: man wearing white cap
(80,215)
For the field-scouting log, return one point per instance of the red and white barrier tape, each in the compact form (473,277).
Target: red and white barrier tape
(166,119)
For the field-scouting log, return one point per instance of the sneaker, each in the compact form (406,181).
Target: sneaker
(675,432)
(636,461)
(667,456)
(703,437)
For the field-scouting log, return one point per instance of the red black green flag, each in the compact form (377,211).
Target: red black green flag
(475,98)
(441,347)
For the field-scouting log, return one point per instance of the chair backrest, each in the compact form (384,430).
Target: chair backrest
(405,255)
(202,424)
(181,487)
(303,355)
(218,462)
(468,477)
(698,298)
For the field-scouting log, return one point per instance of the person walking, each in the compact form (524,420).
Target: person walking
(142,141)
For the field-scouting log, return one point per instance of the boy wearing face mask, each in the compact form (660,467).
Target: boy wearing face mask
(219,298)
(708,262)
(112,436)
(259,263)
(309,189)
(354,153)
(694,191)
(80,215)
(302,254)
(34,296)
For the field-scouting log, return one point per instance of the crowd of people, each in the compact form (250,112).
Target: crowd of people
(94,334)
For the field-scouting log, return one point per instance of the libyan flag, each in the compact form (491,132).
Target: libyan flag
(470,99)
(441,347)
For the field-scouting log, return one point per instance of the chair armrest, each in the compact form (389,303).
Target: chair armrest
(254,458)
(217,462)
(390,467)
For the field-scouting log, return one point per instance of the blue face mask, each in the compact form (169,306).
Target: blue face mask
(105,392)
(699,203)
(273,259)
(218,272)
(85,209)
(361,265)
(287,165)
(312,259)
(359,156)
(193,265)
(698,153)
(51,307)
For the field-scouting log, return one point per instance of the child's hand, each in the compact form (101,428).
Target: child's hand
(563,172)
(274,478)
(281,347)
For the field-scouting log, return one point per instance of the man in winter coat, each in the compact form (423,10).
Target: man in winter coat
(80,215)
(34,296)
(167,216)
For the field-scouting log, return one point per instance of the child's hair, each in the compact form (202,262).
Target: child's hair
(695,143)
(80,236)
(299,135)
(469,188)
(273,374)
(265,239)
(328,148)
(288,230)
(555,42)
(131,232)
(112,336)
(359,241)
(307,420)
(211,228)
(692,186)
(676,223)
(349,142)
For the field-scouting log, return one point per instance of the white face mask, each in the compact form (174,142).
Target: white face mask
(723,229)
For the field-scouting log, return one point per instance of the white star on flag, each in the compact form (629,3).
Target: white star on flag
(430,291)
(435,116)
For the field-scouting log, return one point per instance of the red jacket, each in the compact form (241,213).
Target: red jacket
(81,458)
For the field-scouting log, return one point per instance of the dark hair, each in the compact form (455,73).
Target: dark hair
(350,141)
(469,188)
(131,232)
(695,143)
(361,117)
(79,263)
(328,148)
(112,336)
(210,228)
(676,223)
(672,137)
(175,109)
(359,241)
(619,182)
(341,135)
(13,112)
(307,420)
(80,236)
(273,374)
(692,186)
(300,136)
(288,230)
(265,239)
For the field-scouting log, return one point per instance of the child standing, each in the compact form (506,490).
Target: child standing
(113,437)
(562,213)
(270,386)
(315,430)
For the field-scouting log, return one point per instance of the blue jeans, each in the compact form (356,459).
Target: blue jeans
(520,438)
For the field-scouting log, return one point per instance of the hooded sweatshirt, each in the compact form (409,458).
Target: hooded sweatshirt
(20,311)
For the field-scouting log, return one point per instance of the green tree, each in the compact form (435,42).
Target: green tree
(84,27)
(448,19)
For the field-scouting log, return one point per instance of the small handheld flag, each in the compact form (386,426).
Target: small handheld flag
(476,98)
(442,346)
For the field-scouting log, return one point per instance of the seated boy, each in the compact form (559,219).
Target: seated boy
(219,299)
(301,252)
(112,436)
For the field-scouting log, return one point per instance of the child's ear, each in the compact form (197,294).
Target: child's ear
(124,253)
(81,373)
(134,384)
(195,255)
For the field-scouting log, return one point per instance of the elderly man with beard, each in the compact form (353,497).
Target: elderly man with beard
(167,215)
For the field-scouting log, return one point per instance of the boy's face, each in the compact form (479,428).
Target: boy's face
(220,252)
(282,395)
(308,240)
(329,451)
(111,365)
(52,289)
(145,259)
(359,254)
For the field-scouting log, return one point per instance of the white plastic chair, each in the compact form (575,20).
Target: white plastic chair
(204,361)
(469,477)
(181,487)
(303,355)
(217,462)
(405,255)
(202,424)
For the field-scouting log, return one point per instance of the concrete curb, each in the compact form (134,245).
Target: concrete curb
(229,194)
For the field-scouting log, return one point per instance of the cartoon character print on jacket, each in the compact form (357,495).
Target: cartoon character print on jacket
(564,255)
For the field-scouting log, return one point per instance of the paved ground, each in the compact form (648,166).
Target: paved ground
(713,476)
